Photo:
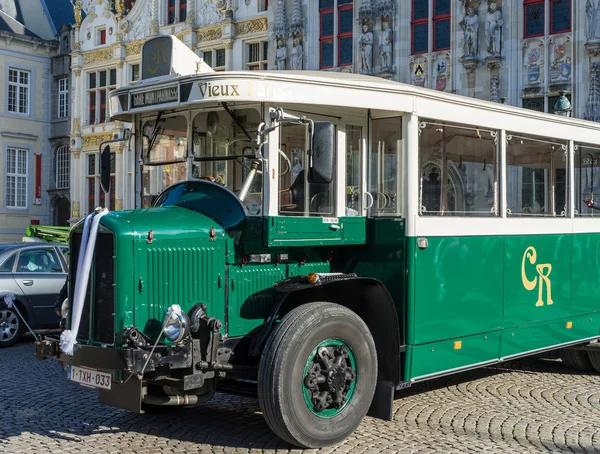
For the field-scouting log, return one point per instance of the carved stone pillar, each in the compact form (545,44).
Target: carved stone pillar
(493,65)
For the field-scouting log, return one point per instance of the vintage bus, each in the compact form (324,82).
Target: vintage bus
(326,239)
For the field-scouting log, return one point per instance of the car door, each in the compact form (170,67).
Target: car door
(40,275)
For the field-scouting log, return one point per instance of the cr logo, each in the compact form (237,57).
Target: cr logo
(541,280)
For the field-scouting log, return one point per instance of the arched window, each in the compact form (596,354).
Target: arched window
(63,167)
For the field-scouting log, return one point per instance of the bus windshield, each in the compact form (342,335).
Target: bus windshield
(222,151)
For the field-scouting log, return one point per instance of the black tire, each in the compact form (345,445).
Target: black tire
(594,358)
(11,327)
(576,359)
(283,366)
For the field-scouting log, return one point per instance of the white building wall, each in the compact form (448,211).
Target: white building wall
(26,131)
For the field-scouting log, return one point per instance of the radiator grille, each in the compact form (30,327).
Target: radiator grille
(98,315)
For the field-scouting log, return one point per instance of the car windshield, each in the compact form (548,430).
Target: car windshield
(222,151)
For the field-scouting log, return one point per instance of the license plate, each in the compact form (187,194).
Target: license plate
(89,377)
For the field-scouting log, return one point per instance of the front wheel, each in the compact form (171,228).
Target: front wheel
(317,375)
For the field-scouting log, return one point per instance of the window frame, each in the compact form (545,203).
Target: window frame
(336,37)
(18,86)
(95,97)
(178,8)
(556,32)
(63,97)
(527,3)
(16,175)
(435,19)
(94,180)
(262,63)
(62,167)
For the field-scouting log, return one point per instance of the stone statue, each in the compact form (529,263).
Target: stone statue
(493,29)
(387,44)
(297,55)
(77,11)
(470,26)
(592,13)
(366,49)
(280,55)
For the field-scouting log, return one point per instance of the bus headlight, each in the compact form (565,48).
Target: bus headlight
(176,324)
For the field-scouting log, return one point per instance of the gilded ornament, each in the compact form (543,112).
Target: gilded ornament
(75,210)
(133,48)
(252,26)
(95,140)
(118,205)
(209,34)
(97,56)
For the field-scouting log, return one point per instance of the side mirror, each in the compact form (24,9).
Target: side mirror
(322,153)
(105,169)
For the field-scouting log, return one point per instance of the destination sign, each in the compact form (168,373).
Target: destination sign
(157,54)
(154,97)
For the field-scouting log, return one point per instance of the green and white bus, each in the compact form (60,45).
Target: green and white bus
(326,239)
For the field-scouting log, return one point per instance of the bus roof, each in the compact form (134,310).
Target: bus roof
(306,87)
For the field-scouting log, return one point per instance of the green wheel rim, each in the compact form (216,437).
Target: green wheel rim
(327,397)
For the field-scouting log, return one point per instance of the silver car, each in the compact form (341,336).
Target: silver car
(34,274)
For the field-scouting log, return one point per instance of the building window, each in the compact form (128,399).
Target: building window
(16,178)
(134,74)
(539,103)
(440,21)
(176,11)
(63,98)
(215,59)
(63,167)
(18,91)
(441,25)
(560,16)
(257,55)
(336,24)
(99,84)
(263,5)
(65,44)
(100,36)
(534,18)
(96,196)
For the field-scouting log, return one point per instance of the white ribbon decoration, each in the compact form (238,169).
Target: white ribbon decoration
(68,338)
(9,300)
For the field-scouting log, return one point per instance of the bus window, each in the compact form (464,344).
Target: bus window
(587,178)
(536,176)
(164,156)
(298,197)
(354,189)
(459,171)
(224,153)
(385,162)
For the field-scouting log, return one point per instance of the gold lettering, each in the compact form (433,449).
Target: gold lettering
(155,57)
(543,271)
(234,90)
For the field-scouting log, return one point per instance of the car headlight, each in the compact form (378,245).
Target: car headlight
(64,308)
(176,324)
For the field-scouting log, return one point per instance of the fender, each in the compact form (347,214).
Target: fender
(368,298)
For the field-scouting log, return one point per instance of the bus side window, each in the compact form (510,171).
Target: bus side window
(385,163)
(298,197)
(354,189)
(458,170)
(536,173)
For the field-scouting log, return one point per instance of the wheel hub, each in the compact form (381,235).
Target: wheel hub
(9,325)
(330,378)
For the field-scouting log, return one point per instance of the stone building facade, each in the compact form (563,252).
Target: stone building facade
(229,35)
(524,51)
(32,128)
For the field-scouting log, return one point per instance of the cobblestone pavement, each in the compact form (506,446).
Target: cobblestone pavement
(533,405)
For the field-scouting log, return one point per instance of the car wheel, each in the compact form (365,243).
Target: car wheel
(317,375)
(11,327)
